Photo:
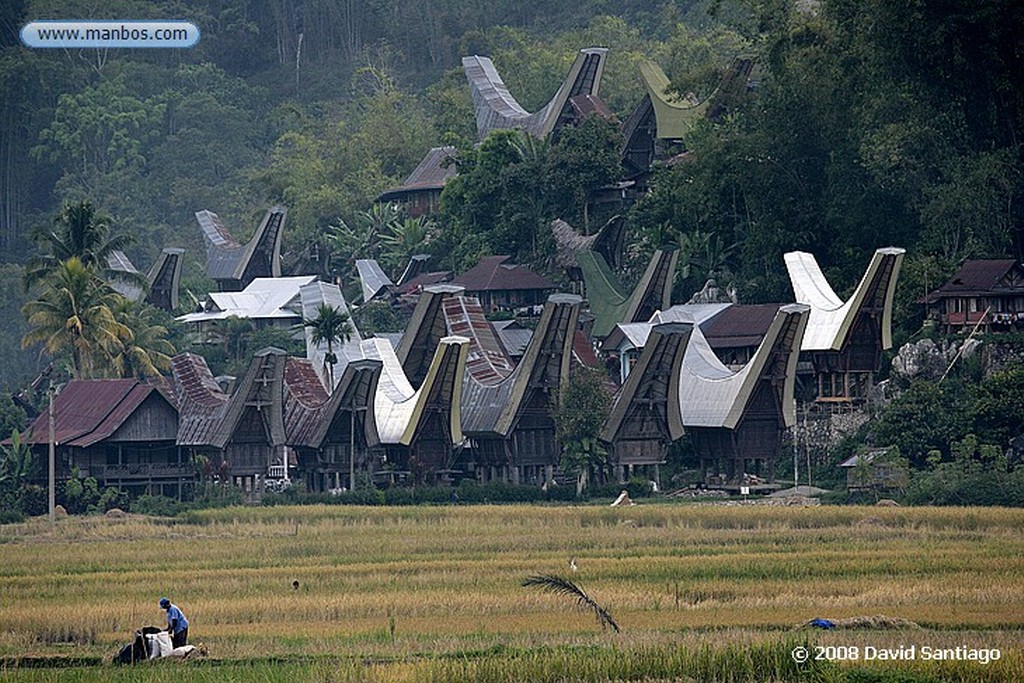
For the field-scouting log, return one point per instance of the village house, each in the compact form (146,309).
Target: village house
(735,418)
(267,302)
(987,294)
(420,194)
(233,265)
(122,432)
(502,286)
(874,470)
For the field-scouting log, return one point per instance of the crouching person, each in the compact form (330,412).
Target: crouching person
(177,624)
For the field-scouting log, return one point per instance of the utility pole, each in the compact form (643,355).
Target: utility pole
(53,460)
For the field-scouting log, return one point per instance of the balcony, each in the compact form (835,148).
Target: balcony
(144,471)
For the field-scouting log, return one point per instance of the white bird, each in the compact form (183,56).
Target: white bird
(572,564)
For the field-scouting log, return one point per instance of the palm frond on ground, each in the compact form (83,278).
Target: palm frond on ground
(556,584)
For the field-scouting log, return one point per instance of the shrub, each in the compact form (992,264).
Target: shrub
(157,506)
(11,516)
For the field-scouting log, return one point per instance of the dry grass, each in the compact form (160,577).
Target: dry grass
(405,585)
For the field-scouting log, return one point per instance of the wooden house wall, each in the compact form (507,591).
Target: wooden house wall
(533,437)
(249,451)
(154,420)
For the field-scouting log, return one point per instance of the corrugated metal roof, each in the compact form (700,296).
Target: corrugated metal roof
(712,395)
(486,360)
(200,399)
(87,411)
(583,352)
(493,408)
(214,232)
(222,262)
(494,273)
(675,116)
(431,173)
(372,278)
(587,104)
(514,339)
(263,298)
(609,302)
(422,280)
(312,296)
(497,109)
(416,265)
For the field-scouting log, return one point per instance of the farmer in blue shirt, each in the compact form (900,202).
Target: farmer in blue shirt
(177,624)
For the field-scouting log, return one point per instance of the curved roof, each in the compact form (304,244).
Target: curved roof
(831,318)
(372,278)
(712,395)
(494,408)
(674,116)
(609,302)
(227,261)
(651,392)
(497,109)
(399,409)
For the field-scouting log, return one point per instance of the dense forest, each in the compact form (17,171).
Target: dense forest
(867,123)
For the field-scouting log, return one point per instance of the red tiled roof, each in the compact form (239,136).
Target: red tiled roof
(740,325)
(494,274)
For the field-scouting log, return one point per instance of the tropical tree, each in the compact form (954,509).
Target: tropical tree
(331,325)
(404,238)
(581,412)
(82,232)
(145,350)
(15,462)
(74,316)
(231,332)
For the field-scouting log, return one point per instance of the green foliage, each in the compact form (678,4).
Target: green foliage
(579,416)
(466,493)
(157,506)
(510,188)
(82,495)
(12,416)
(997,408)
(73,319)
(927,416)
(950,484)
(330,326)
(379,316)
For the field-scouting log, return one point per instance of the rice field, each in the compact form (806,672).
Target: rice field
(701,592)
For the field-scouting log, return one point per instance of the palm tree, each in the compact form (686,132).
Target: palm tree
(82,232)
(74,315)
(329,326)
(145,350)
(231,333)
(405,238)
